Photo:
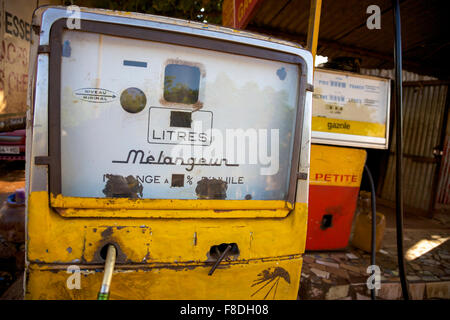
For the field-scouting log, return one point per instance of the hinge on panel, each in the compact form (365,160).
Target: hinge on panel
(43,49)
(42,160)
(302,176)
(309,87)
(36,28)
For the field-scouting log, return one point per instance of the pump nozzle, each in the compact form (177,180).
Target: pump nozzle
(110,261)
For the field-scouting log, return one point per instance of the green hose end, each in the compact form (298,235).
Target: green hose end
(103,296)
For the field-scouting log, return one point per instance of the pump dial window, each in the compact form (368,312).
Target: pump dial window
(133,100)
(181,83)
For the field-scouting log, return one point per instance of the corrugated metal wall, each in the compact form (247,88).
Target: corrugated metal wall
(443,194)
(390,73)
(423,121)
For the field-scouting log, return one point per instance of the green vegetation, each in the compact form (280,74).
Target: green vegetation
(133,100)
(180,93)
(197,10)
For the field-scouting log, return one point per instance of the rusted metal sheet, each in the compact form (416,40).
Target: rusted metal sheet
(423,123)
(443,187)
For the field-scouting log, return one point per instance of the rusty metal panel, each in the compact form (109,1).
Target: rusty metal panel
(443,193)
(343,31)
(423,120)
(390,73)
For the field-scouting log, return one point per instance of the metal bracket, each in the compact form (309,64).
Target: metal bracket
(302,176)
(36,28)
(43,49)
(42,160)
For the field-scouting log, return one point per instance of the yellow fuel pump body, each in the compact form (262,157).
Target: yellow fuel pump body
(165,245)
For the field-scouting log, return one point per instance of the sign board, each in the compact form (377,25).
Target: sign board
(350,109)
(15,38)
(163,117)
(237,13)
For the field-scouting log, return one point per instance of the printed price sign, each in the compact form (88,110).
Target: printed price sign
(350,109)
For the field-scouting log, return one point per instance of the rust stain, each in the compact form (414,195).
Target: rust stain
(195,106)
(107,232)
(107,238)
(147,257)
(118,186)
(99,60)
(211,189)
(120,258)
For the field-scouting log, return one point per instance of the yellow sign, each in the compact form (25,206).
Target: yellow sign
(359,128)
(350,104)
(336,166)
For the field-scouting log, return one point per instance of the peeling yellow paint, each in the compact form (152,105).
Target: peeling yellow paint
(145,242)
(60,201)
(142,213)
(230,281)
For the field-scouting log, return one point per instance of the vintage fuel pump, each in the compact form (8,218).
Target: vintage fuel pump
(350,114)
(183,146)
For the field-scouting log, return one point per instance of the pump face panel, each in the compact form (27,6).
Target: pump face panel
(171,141)
(151,120)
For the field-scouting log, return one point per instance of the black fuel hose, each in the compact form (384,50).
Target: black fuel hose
(374,224)
(398,144)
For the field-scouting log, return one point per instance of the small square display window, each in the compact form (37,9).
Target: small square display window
(180,119)
(177,180)
(181,83)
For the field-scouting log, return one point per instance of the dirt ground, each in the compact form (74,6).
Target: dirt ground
(342,274)
(12,177)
